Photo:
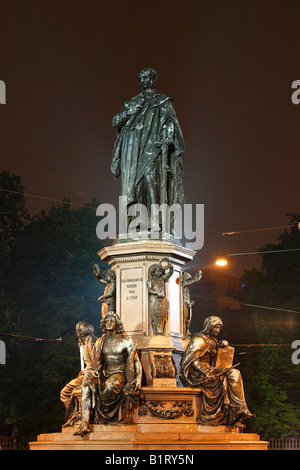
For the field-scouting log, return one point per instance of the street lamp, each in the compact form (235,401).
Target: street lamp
(221,262)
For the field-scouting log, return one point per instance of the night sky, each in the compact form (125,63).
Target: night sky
(229,65)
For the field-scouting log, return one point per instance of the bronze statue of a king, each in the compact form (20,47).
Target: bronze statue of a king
(147,152)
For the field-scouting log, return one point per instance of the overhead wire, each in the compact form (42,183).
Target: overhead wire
(91,207)
(48,199)
(196,265)
(262,252)
(247,345)
(259,229)
(247,305)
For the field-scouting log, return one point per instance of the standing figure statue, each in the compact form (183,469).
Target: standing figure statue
(108,299)
(149,145)
(223,400)
(158,302)
(188,280)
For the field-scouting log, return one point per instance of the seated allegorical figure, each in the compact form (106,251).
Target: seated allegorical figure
(72,390)
(223,400)
(120,372)
(110,381)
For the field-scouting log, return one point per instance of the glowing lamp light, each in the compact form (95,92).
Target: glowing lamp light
(221,262)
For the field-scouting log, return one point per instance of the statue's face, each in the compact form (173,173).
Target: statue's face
(111,324)
(216,329)
(79,334)
(158,272)
(83,331)
(145,80)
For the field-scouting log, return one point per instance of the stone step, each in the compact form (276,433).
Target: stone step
(166,444)
(181,438)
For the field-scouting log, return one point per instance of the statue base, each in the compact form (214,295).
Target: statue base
(166,415)
(160,354)
(165,419)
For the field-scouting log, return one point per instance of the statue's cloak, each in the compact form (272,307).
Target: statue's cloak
(223,400)
(197,347)
(137,146)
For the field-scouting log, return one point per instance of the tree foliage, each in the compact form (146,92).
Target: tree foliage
(271,378)
(47,286)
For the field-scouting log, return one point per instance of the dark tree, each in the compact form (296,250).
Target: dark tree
(48,286)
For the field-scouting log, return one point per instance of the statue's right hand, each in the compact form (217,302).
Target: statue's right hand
(95,373)
(134,109)
(211,375)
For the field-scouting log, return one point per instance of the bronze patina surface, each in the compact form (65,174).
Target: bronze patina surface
(149,146)
(158,302)
(223,400)
(108,386)
(188,280)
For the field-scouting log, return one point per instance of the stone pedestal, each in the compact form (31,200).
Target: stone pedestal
(166,414)
(167,437)
(165,419)
(131,262)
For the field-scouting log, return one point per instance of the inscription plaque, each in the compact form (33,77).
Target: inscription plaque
(132,299)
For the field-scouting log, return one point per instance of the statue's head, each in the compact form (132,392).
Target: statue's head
(109,275)
(84,329)
(156,270)
(212,325)
(148,78)
(111,322)
(159,269)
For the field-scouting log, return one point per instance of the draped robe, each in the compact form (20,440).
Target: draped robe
(112,380)
(137,150)
(102,387)
(223,400)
